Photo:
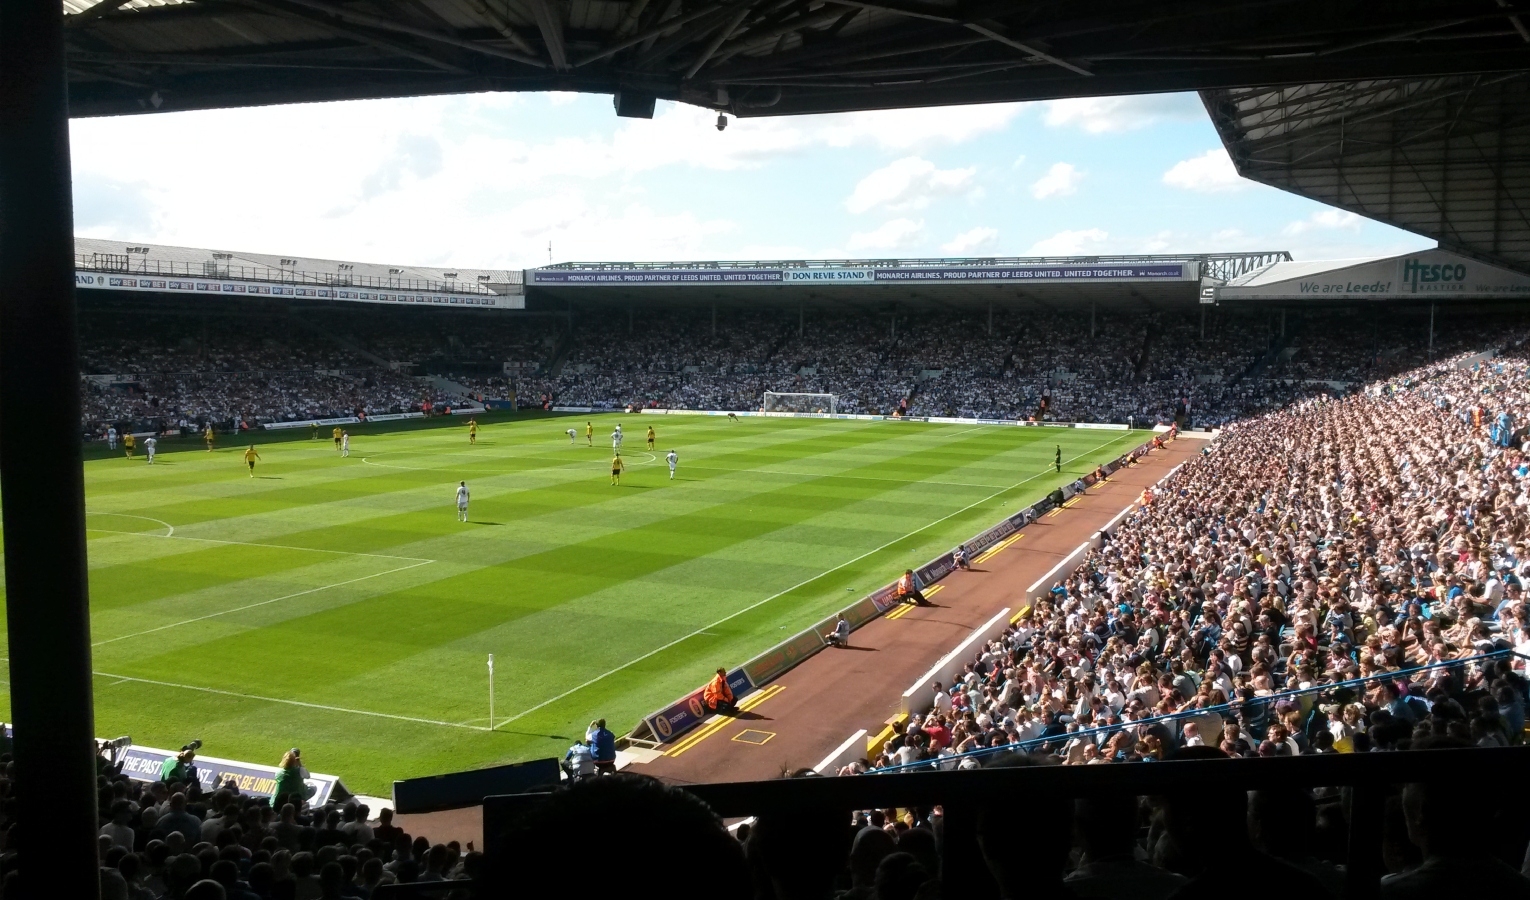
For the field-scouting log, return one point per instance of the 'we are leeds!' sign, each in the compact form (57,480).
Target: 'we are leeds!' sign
(898,275)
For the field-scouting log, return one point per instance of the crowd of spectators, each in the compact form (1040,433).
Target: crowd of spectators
(1331,548)
(1105,366)
(171,839)
(182,372)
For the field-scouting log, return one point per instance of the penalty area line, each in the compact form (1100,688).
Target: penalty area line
(263,699)
(261,603)
(706,628)
(184,537)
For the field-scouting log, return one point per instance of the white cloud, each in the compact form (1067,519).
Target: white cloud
(1106,115)
(908,183)
(894,234)
(1019,161)
(900,129)
(1211,172)
(1159,242)
(1070,243)
(1060,181)
(1324,220)
(974,239)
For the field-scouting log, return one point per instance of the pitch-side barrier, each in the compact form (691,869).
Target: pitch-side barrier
(858,417)
(664,725)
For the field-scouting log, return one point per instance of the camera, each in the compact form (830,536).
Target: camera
(193,746)
(722,121)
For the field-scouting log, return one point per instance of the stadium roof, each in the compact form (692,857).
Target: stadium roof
(1447,157)
(1044,282)
(96,255)
(1410,112)
(758,57)
(1428,276)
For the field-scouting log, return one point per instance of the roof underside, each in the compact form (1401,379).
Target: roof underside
(1412,112)
(767,57)
(1444,157)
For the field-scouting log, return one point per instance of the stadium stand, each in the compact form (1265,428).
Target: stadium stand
(1339,575)
(155,369)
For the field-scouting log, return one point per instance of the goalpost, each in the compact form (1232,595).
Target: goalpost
(800,403)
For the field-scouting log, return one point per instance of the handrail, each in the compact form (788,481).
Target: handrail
(1027,745)
(1271,255)
(85,262)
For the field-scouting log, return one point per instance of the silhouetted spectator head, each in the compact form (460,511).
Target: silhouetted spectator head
(899,877)
(658,822)
(871,845)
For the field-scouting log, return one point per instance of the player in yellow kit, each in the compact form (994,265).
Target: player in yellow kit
(589,433)
(650,437)
(127,444)
(616,469)
(472,431)
(336,433)
(208,437)
(249,459)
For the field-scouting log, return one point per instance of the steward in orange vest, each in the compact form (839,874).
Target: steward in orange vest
(718,697)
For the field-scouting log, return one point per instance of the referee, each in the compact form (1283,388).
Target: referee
(1057,460)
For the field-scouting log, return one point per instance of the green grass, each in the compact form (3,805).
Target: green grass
(337,604)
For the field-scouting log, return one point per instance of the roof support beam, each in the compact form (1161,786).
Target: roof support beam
(717,39)
(662,28)
(502,25)
(552,32)
(360,18)
(365,36)
(988,28)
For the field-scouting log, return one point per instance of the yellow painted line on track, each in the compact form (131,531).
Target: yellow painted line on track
(721,722)
(901,611)
(998,548)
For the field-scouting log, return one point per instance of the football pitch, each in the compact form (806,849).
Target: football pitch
(338,605)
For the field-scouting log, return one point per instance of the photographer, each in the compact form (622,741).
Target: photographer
(180,767)
(291,780)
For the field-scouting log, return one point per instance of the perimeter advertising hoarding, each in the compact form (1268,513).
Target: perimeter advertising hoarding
(897,275)
(224,287)
(783,656)
(688,712)
(144,763)
(1432,274)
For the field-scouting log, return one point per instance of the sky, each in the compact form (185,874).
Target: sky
(490,180)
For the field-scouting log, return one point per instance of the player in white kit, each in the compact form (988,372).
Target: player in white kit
(149,443)
(462,501)
(616,438)
(111,437)
(571,435)
(674,459)
(345,443)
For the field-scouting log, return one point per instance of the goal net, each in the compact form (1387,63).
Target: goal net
(800,403)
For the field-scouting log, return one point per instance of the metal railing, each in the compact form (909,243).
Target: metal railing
(133,264)
(1033,744)
(1219,265)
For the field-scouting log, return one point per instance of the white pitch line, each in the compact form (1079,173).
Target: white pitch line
(261,603)
(368,461)
(170,529)
(730,616)
(320,706)
(837,475)
(184,537)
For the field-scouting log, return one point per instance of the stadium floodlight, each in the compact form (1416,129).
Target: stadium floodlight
(800,403)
